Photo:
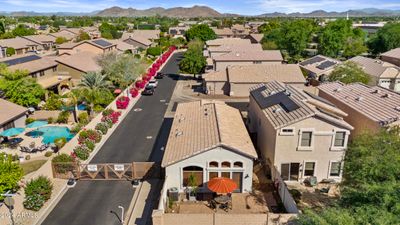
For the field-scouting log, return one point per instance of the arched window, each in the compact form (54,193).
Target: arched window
(213,164)
(238,164)
(192,176)
(226,164)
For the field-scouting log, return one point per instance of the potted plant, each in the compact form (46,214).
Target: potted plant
(192,182)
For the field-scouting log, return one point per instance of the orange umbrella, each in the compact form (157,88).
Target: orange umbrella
(222,185)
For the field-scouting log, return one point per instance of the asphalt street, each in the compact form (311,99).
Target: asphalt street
(140,137)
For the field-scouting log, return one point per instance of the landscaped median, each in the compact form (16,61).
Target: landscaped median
(80,149)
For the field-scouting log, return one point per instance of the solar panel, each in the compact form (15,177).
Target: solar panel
(102,43)
(325,65)
(280,98)
(20,60)
(313,60)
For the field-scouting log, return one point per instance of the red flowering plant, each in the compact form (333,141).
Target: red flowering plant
(122,102)
(89,134)
(139,84)
(134,92)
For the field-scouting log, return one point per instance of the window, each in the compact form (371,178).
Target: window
(290,171)
(213,164)
(339,139)
(238,164)
(335,169)
(192,174)
(309,168)
(226,174)
(41,73)
(226,164)
(212,175)
(287,131)
(306,137)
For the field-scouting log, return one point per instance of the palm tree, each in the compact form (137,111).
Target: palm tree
(93,85)
(72,101)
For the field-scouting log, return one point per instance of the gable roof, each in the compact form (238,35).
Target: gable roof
(378,104)
(267,55)
(64,33)
(394,53)
(100,43)
(17,43)
(319,64)
(284,105)
(146,34)
(82,61)
(40,39)
(227,41)
(236,47)
(377,68)
(10,111)
(257,37)
(223,31)
(200,126)
(122,46)
(31,62)
(139,39)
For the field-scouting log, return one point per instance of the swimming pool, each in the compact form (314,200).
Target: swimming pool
(80,107)
(50,133)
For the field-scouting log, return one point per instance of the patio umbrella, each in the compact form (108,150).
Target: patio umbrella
(222,185)
(12,132)
(36,124)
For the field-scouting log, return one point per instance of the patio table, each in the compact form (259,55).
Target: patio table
(223,199)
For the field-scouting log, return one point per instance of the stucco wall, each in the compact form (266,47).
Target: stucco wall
(84,47)
(76,75)
(18,122)
(217,88)
(359,121)
(219,154)
(395,61)
(136,44)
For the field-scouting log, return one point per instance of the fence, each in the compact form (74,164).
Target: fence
(106,171)
(286,197)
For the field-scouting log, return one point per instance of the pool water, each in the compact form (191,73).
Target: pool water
(81,107)
(50,133)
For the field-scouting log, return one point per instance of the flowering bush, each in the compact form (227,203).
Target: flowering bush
(82,152)
(37,192)
(122,102)
(113,117)
(140,84)
(107,112)
(134,92)
(89,135)
(102,127)
(89,144)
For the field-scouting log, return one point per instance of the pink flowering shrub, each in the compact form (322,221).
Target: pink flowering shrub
(134,92)
(89,134)
(139,84)
(113,117)
(122,102)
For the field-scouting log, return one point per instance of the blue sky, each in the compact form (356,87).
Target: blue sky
(247,7)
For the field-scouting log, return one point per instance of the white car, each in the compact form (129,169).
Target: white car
(153,83)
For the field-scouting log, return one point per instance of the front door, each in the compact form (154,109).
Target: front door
(290,171)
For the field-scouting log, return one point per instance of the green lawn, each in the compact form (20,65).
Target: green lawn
(31,166)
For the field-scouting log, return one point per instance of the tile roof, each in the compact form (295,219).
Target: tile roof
(377,68)
(17,43)
(257,37)
(379,104)
(313,64)
(41,38)
(146,34)
(394,53)
(236,47)
(9,111)
(42,63)
(215,76)
(82,61)
(122,46)
(227,41)
(307,106)
(100,43)
(200,126)
(139,39)
(222,32)
(63,33)
(267,55)
(262,73)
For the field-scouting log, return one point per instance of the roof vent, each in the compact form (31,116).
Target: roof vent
(181,119)
(287,93)
(338,89)
(237,54)
(272,93)
(397,108)
(179,133)
(359,99)
(277,110)
(376,91)
(386,96)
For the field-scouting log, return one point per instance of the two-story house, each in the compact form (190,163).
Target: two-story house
(298,134)
(245,57)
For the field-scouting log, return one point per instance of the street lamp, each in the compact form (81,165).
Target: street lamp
(122,214)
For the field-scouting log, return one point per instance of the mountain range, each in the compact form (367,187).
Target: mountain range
(204,11)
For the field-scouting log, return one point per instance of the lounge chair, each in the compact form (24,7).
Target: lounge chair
(42,148)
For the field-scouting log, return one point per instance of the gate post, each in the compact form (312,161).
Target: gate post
(133,171)
(106,171)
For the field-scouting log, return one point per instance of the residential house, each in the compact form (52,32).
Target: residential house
(137,42)
(370,108)
(299,135)
(97,46)
(150,35)
(43,69)
(237,80)
(223,33)
(11,115)
(68,35)
(45,42)
(227,41)
(78,64)
(227,48)
(319,67)
(178,31)
(253,25)
(255,38)
(392,56)
(247,58)
(208,140)
(21,45)
(381,73)
(124,47)
(239,31)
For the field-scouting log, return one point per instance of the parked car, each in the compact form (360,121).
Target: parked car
(148,90)
(159,75)
(153,83)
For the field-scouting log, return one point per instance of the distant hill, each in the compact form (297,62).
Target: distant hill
(181,12)
(352,13)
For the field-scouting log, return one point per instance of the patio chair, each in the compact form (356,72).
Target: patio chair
(42,148)
(224,206)
(213,205)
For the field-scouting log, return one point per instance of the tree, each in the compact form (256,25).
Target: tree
(386,38)
(21,30)
(61,40)
(10,172)
(193,61)
(109,31)
(268,27)
(2,27)
(93,86)
(82,36)
(53,102)
(19,88)
(154,51)
(354,47)
(200,31)
(349,72)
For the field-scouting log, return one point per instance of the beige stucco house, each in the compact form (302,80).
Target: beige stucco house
(227,41)
(247,58)
(11,115)
(319,67)
(45,42)
(299,135)
(237,80)
(21,45)
(227,48)
(392,56)
(369,108)
(97,46)
(207,140)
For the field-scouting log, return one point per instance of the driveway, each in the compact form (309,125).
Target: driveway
(137,138)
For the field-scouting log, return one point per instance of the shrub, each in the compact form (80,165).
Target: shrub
(98,108)
(37,192)
(63,117)
(75,129)
(108,122)
(28,157)
(53,102)
(90,145)
(48,153)
(29,120)
(102,127)
(82,152)
(83,118)
(154,51)
(89,135)
(60,142)
(50,120)
(61,158)
(64,161)
(107,112)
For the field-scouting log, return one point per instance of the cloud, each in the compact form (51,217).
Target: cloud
(57,5)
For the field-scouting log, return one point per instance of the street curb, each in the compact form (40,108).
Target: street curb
(133,203)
